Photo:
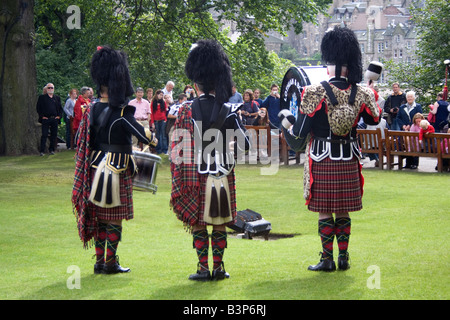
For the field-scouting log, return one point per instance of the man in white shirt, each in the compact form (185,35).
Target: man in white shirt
(142,113)
(168,89)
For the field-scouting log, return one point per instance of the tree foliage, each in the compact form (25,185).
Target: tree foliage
(426,77)
(157,36)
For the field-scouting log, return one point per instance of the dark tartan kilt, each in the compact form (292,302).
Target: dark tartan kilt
(336,186)
(231,185)
(124,211)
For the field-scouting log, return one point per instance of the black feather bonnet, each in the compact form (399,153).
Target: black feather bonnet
(109,68)
(208,65)
(340,47)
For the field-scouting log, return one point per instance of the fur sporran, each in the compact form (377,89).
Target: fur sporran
(217,200)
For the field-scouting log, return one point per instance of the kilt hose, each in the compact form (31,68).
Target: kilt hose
(125,210)
(336,186)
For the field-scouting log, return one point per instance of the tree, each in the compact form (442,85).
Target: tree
(18,117)
(432,22)
(156,35)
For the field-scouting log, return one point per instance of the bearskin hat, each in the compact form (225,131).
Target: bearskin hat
(208,65)
(109,68)
(340,47)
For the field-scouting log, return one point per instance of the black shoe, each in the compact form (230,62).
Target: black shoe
(201,275)
(343,262)
(115,268)
(326,265)
(98,268)
(220,273)
(407,167)
(413,167)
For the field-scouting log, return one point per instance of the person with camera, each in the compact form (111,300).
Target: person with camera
(392,106)
(272,104)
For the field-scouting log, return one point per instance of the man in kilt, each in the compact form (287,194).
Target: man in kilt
(328,117)
(203,181)
(102,191)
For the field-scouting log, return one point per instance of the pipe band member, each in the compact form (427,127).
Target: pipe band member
(203,183)
(102,192)
(328,116)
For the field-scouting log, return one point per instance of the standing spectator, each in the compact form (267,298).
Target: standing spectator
(68,112)
(49,109)
(392,106)
(440,110)
(190,92)
(249,110)
(256,94)
(79,108)
(168,89)
(272,104)
(381,101)
(158,120)
(92,97)
(149,93)
(236,97)
(172,117)
(142,113)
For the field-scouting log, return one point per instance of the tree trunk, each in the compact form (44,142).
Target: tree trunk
(19,128)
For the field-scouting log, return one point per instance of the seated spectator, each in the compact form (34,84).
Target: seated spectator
(407,111)
(413,162)
(263,119)
(425,127)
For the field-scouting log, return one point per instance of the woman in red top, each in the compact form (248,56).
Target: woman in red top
(81,104)
(158,120)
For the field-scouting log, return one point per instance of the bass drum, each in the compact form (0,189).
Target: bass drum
(147,169)
(291,89)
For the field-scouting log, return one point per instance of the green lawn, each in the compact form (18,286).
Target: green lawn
(401,234)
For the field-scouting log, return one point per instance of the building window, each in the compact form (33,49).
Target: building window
(408,44)
(395,53)
(400,53)
(397,38)
(362,47)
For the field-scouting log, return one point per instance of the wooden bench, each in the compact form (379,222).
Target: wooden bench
(372,141)
(263,131)
(406,144)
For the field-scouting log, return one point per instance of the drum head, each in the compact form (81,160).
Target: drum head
(147,168)
(291,89)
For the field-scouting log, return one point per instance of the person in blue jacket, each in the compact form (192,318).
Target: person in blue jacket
(272,104)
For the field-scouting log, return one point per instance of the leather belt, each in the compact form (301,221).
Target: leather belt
(121,148)
(340,141)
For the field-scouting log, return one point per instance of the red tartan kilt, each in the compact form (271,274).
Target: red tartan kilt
(124,211)
(336,186)
(232,186)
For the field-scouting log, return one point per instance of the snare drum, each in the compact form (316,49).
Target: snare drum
(147,168)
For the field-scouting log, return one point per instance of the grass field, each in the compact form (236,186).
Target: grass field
(398,248)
